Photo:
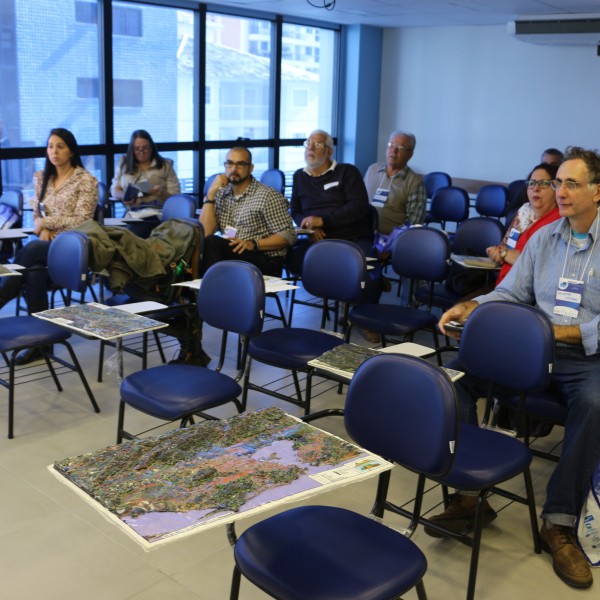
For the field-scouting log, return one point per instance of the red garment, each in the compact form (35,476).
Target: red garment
(549,217)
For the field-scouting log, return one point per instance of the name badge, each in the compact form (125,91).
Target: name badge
(330,185)
(380,196)
(513,236)
(568,297)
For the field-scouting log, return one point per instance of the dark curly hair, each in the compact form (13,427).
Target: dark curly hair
(591,158)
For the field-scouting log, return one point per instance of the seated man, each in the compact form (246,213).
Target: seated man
(394,189)
(253,218)
(557,272)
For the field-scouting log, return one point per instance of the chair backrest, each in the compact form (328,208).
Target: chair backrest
(179,206)
(515,189)
(421,253)
(508,344)
(434,181)
(474,235)
(208,183)
(492,200)
(101,207)
(68,260)
(404,409)
(13,198)
(334,270)
(450,204)
(274,178)
(232,297)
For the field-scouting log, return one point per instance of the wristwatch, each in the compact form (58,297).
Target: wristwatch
(503,254)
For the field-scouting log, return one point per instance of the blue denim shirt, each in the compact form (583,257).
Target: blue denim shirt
(534,278)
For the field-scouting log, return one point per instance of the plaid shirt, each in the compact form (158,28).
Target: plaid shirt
(258,213)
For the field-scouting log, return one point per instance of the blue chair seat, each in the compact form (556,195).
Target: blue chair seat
(337,555)
(391,319)
(170,391)
(26,332)
(546,405)
(279,347)
(476,464)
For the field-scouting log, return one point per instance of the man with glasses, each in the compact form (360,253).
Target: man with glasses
(253,219)
(559,272)
(393,188)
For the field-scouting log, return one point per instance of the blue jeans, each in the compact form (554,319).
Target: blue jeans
(577,379)
(32,255)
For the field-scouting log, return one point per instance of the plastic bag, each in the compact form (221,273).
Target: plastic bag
(588,524)
(383,243)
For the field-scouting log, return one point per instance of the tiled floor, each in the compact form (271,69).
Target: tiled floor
(55,546)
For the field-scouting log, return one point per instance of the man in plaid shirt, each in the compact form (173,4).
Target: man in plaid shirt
(253,219)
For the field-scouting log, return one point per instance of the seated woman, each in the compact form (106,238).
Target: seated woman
(66,195)
(540,210)
(144,178)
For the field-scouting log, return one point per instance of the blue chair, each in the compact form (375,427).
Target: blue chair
(67,266)
(419,254)
(472,238)
(434,181)
(208,183)
(198,389)
(401,408)
(179,206)
(527,350)
(475,459)
(332,270)
(448,205)
(492,201)
(274,178)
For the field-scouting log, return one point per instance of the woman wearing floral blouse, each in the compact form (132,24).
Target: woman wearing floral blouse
(66,195)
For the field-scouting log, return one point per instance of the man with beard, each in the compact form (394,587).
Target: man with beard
(253,218)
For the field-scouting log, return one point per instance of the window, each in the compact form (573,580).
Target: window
(127,21)
(128,92)
(87,87)
(307,83)
(86,12)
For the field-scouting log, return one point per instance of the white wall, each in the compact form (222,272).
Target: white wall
(482,104)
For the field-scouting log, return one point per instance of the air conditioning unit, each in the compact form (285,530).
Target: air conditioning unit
(582,30)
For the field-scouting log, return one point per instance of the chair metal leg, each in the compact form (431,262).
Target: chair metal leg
(77,367)
(537,542)
(120,421)
(478,525)
(236,577)
(420,588)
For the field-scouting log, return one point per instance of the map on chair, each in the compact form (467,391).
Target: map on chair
(160,488)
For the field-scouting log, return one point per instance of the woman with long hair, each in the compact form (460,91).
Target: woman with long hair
(66,195)
(145,172)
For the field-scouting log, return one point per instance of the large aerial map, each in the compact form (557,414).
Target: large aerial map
(214,471)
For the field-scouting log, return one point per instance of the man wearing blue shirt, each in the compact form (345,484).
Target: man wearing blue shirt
(566,252)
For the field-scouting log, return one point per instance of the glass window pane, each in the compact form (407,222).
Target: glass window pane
(238,71)
(153,72)
(307,82)
(48,55)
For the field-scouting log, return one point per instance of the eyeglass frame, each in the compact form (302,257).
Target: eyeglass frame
(229,164)
(318,145)
(570,184)
(400,147)
(543,183)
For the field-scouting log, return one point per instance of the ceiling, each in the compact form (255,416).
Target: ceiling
(420,13)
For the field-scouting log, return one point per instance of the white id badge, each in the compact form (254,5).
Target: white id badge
(230,232)
(380,196)
(513,236)
(568,297)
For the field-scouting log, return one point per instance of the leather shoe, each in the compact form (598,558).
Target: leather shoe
(459,517)
(371,336)
(568,560)
(29,355)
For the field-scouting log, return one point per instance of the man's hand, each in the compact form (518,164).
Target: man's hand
(459,312)
(311,222)
(219,182)
(241,246)
(317,235)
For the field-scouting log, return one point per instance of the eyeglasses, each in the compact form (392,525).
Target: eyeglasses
(308,143)
(570,184)
(229,164)
(543,183)
(143,150)
(399,148)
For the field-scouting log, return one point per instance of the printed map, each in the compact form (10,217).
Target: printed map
(190,477)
